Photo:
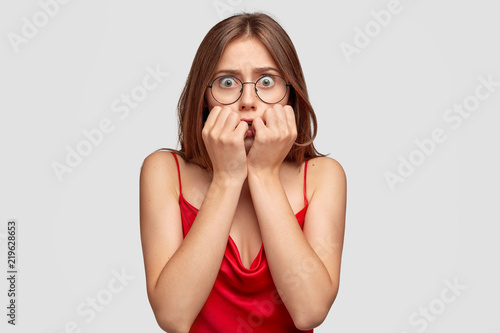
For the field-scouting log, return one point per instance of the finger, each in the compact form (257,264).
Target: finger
(258,125)
(231,122)
(212,117)
(270,119)
(281,121)
(290,118)
(242,129)
(221,120)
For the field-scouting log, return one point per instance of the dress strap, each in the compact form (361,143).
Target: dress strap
(305,181)
(178,172)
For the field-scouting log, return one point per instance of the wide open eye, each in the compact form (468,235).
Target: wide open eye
(227,82)
(266,81)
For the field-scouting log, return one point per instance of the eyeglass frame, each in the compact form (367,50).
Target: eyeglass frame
(248,82)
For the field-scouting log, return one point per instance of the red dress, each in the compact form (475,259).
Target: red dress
(242,300)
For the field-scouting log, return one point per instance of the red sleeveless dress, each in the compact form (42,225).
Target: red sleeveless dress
(242,300)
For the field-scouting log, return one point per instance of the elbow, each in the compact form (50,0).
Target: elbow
(175,328)
(313,316)
(172,325)
(171,319)
(310,320)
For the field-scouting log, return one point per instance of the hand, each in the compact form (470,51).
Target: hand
(275,134)
(223,135)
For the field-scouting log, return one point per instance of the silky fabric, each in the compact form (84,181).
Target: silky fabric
(242,300)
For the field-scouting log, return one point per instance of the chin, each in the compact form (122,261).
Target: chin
(248,145)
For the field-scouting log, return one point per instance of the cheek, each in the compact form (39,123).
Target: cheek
(287,100)
(209,101)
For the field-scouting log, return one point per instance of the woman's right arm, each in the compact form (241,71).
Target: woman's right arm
(180,273)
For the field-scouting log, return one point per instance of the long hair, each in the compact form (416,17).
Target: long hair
(191,111)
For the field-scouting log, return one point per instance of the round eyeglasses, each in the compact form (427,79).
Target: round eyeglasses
(270,89)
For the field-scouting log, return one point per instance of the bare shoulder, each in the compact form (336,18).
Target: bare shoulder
(325,162)
(324,169)
(160,217)
(159,167)
(325,218)
(158,158)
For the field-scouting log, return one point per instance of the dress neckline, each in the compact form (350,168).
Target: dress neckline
(256,261)
(181,197)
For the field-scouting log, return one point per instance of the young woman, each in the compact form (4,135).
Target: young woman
(242,228)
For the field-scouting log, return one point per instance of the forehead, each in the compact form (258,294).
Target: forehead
(245,55)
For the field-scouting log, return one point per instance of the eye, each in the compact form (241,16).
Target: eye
(227,82)
(266,81)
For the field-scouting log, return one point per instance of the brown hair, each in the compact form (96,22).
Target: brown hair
(191,111)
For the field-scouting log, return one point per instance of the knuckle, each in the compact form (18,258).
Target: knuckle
(233,116)
(214,112)
(223,138)
(204,134)
(212,136)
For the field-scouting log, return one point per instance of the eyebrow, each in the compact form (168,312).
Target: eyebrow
(256,70)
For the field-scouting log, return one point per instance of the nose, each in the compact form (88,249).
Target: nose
(248,99)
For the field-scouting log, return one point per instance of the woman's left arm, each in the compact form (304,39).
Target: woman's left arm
(304,264)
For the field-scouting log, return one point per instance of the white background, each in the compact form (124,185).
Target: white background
(401,246)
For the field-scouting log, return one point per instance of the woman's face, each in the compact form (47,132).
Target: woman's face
(248,60)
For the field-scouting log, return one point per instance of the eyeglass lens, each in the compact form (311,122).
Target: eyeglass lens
(228,89)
